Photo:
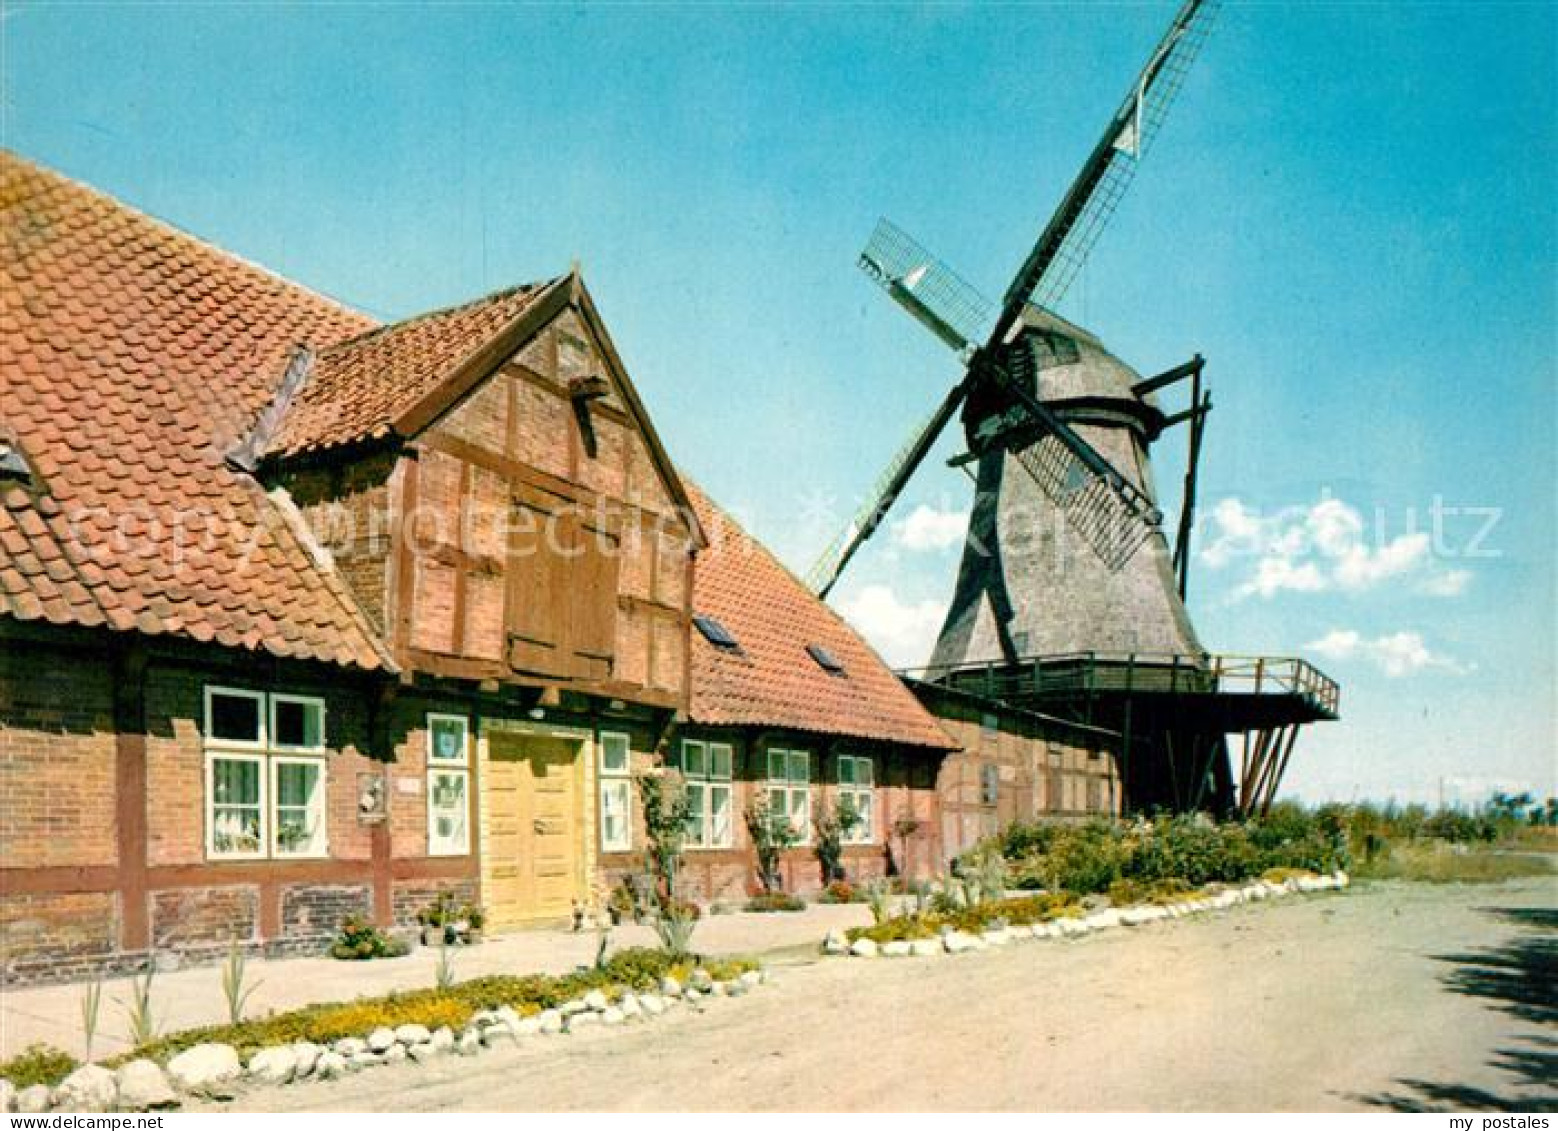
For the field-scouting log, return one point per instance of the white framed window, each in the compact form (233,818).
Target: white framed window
(856,781)
(448,813)
(448,785)
(708,769)
(265,775)
(297,722)
(298,791)
(235,789)
(789,790)
(616,792)
(448,739)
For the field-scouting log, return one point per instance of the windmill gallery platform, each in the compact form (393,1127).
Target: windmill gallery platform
(1157,702)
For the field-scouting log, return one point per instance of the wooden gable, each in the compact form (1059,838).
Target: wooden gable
(546,536)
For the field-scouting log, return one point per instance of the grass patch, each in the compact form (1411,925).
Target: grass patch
(640,968)
(1436,862)
(776,901)
(1022,911)
(37,1064)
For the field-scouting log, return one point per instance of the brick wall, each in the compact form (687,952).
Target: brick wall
(411,896)
(56,758)
(905,789)
(347,506)
(204,916)
(35,928)
(317,910)
(1041,773)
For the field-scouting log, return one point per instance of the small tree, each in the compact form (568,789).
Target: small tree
(771,835)
(832,824)
(666,811)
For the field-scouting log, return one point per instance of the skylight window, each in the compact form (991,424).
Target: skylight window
(716,634)
(826,660)
(13,465)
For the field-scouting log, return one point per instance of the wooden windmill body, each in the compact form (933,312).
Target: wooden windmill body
(1069,597)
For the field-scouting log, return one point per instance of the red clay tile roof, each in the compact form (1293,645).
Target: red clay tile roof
(772,682)
(132,358)
(357,388)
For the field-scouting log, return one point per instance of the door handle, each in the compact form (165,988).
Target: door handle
(539,825)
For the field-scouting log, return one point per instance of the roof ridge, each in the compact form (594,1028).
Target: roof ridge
(837,616)
(11,156)
(387,328)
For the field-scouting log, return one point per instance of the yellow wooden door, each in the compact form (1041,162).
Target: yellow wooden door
(534,856)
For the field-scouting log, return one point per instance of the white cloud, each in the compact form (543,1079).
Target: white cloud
(927,528)
(903,632)
(1450,583)
(1320,547)
(1274,574)
(1396,654)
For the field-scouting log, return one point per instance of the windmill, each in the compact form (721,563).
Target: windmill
(1069,596)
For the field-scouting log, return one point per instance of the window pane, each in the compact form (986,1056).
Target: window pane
(450,812)
(720,829)
(235,783)
(694,764)
(296,783)
(235,718)
(776,765)
(846,770)
(864,772)
(800,812)
(800,766)
(778,804)
(447,739)
(235,830)
(695,804)
(299,724)
(614,753)
(720,761)
(616,829)
(299,808)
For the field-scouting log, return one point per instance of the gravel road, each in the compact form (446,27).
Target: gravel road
(1388,997)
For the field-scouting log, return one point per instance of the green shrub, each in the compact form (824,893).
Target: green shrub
(776,901)
(360,940)
(1127,893)
(37,1064)
(1191,850)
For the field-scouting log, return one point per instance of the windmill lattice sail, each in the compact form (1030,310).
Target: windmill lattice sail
(1101,516)
(1108,173)
(927,288)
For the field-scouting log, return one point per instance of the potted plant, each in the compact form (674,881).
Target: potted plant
(622,903)
(436,920)
(475,921)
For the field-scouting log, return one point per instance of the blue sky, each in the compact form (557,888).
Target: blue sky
(1350,212)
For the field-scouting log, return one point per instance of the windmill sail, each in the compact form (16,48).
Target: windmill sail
(1063,247)
(889,485)
(926,287)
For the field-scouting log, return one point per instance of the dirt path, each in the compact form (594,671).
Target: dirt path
(1394,996)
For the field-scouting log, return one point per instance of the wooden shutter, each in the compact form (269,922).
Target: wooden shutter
(536,595)
(593,597)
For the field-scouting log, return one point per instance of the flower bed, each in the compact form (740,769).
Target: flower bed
(1023,911)
(1003,921)
(326,1041)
